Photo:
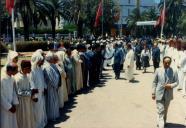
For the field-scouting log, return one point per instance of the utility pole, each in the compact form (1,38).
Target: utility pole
(102,18)
(121,18)
(163,19)
(1,11)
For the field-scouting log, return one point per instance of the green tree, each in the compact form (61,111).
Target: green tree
(85,13)
(148,15)
(133,18)
(25,8)
(4,19)
(53,9)
(111,14)
(182,24)
(131,21)
(174,10)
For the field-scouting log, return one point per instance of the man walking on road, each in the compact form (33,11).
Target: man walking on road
(165,80)
(156,56)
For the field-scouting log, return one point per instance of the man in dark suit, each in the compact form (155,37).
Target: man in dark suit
(156,56)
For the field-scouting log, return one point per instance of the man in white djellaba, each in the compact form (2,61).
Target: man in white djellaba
(9,98)
(25,114)
(172,53)
(63,94)
(12,57)
(38,87)
(53,82)
(129,64)
(182,66)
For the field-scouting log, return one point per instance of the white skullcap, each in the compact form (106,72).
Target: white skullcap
(104,41)
(88,45)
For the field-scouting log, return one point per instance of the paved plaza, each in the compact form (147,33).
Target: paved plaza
(119,104)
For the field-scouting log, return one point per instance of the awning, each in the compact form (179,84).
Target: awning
(143,23)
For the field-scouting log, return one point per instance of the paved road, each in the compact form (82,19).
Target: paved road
(119,104)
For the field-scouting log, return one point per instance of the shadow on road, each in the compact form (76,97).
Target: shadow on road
(72,101)
(63,112)
(134,81)
(172,125)
(147,72)
(135,74)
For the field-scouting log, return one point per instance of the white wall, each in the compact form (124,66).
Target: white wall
(127,6)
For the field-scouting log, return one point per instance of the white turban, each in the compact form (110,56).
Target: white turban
(36,57)
(11,56)
(49,56)
(39,50)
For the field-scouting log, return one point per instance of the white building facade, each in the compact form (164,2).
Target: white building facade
(127,6)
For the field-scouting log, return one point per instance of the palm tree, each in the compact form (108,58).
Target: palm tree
(149,15)
(131,21)
(53,9)
(133,18)
(30,14)
(174,10)
(26,9)
(80,15)
(182,23)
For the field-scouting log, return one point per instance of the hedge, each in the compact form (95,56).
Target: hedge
(3,48)
(47,31)
(30,46)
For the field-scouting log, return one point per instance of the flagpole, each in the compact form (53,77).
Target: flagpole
(162,24)
(102,19)
(13,30)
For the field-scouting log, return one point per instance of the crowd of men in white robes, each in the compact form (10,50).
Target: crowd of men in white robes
(32,92)
(176,49)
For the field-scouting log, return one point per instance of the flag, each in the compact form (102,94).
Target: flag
(161,18)
(98,14)
(9,6)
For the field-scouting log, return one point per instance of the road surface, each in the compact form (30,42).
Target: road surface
(119,104)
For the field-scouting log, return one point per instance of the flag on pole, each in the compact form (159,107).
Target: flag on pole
(98,14)
(10,9)
(9,6)
(161,18)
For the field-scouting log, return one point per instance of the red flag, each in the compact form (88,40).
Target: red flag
(161,18)
(98,14)
(9,6)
